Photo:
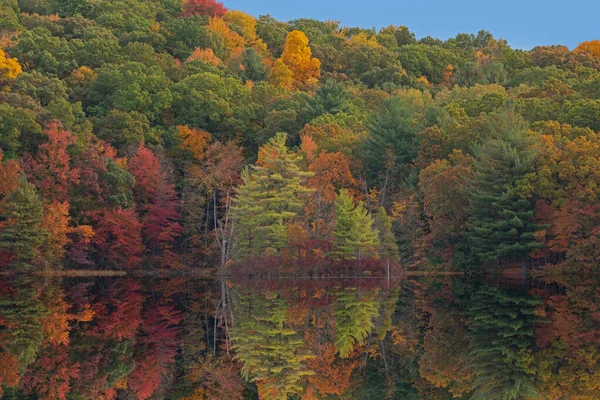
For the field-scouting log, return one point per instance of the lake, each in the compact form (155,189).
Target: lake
(409,338)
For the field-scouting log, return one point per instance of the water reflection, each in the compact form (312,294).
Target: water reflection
(176,338)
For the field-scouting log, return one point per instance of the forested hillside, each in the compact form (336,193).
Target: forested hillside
(156,133)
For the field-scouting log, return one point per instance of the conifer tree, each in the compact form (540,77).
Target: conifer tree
(269,197)
(22,234)
(501,223)
(354,233)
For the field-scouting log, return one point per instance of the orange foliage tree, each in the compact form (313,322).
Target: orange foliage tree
(592,47)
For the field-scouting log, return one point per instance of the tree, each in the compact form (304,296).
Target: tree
(592,47)
(22,233)
(269,197)
(298,58)
(392,145)
(388,248)
(156,200)
(210,8)
(51,171)
(445,199)
(501,223)
(354,233)
(118,237)
(194,140)
(9,69)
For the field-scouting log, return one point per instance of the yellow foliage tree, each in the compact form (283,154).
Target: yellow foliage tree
(247,23)
(592,47)
(205,55)
(194,140)
(362,38)
(231,39)
(281,75)
(9,69)
(297,56)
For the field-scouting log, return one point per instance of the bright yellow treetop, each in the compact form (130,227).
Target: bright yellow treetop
(9,67)
(297,56)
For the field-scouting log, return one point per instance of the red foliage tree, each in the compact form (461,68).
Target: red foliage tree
(117,237)
(50,171)
(156,199)
(209,8)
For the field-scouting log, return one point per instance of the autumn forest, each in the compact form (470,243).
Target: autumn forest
(178,139)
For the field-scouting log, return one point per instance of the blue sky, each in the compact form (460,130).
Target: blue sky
(523,23)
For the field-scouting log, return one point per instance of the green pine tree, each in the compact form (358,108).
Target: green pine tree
(501,222)
(270,196)
(22,235)
(354,233)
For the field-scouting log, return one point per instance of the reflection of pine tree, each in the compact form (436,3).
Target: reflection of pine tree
(21,331)
(354,319)
(501,334)
(270,351)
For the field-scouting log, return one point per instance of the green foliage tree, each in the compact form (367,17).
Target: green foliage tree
(22,234)
(354,233)
(501,223)
(392,146)
(269,197)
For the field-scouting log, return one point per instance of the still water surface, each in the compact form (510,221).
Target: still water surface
(180,338)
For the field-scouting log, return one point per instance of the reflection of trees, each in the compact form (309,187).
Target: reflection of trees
(567,364)
(354,318)
(270,351)
(21,313)
(501,334)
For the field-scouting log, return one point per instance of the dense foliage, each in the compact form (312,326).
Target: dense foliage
(139,133)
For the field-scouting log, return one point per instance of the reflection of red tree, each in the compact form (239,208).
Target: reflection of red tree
(118,314)
(156,349)
(49,376)
(9,376)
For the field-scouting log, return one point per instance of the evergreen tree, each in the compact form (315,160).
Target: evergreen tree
(22,234)
(501,221)
(354,233)
(392,144)
(269,197)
